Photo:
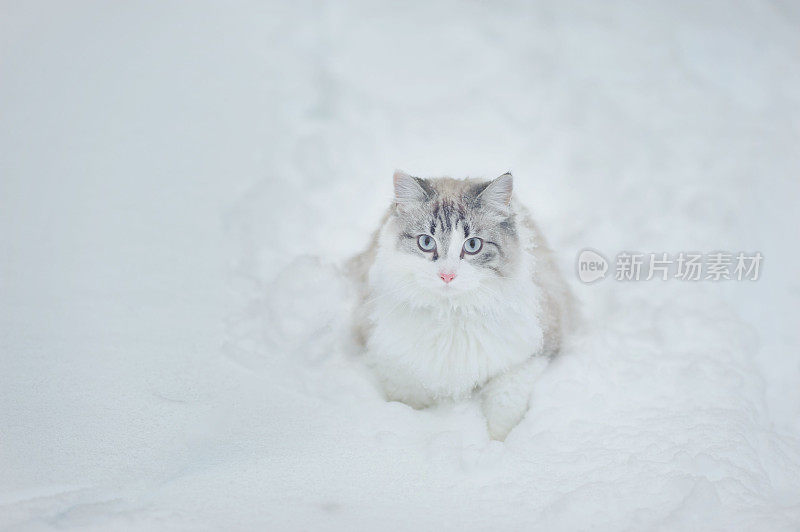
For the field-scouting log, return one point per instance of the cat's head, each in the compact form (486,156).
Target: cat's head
(452,236)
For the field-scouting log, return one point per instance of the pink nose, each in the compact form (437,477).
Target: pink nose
(447,277)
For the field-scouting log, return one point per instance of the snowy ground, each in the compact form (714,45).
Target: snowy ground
(179,181)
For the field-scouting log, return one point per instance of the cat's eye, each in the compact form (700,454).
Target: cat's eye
(426,242)
(473,245)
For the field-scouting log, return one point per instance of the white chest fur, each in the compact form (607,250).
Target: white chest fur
(424,350)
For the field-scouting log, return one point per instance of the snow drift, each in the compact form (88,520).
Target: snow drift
(181,183)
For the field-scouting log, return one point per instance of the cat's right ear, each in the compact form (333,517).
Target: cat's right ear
(408,189)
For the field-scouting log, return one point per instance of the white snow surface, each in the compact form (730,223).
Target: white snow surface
(180,183)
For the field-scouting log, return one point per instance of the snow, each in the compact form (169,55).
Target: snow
(179,183)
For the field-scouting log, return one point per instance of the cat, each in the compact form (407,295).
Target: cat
(458,293)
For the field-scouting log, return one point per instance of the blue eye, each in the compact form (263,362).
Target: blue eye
(426,242)
(473,245)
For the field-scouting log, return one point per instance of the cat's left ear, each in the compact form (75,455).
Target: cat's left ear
(408,189)
(497,194)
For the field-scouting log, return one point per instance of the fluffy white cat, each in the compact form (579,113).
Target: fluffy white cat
(459,293)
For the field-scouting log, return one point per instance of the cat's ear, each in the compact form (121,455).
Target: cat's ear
(408,189)
(497,194)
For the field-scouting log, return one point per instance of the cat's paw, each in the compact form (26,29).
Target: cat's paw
(502,416)
(505,398)
(504,407)
(498,431)
(407,392)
